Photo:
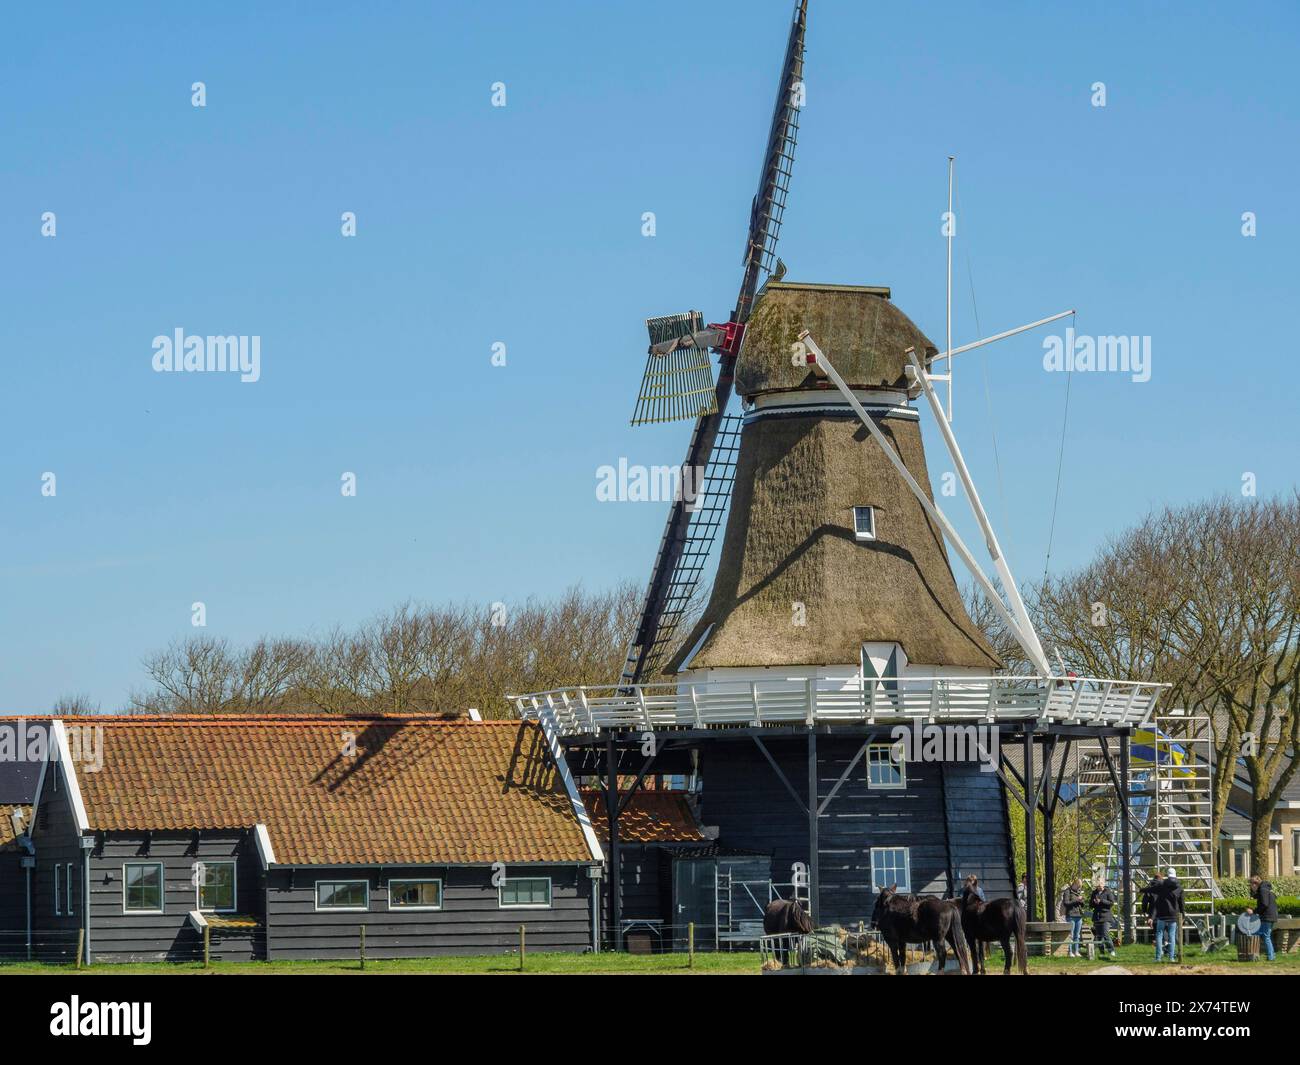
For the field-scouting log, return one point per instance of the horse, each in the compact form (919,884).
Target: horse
(985,922)
(904,919)
(787,918)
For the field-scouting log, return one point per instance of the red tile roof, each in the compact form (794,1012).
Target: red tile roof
(340,790)
(650,817)
(8,839)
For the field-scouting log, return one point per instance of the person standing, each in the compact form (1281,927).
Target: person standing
(1022,890)
(1167,910)
(1071,907)
(1102,902)
(1266,908)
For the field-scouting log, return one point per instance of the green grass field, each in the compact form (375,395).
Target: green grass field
(1139,958)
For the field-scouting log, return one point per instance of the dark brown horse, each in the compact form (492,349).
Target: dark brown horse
(785,916)
(904,919)
(996,921)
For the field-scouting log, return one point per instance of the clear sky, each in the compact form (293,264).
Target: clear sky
(522,225)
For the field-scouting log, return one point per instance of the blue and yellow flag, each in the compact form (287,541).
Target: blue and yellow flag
(1150,747)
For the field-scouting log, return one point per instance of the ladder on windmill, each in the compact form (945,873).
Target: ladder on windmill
(709,511)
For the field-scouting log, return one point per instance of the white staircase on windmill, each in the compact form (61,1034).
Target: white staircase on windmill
(1171,807)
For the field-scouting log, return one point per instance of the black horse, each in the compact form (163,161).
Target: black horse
(987,922)
(904,919)
(785,916)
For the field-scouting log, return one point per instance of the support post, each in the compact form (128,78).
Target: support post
(1049,858)
(207,946)
(361,946)
(814,873)
(1126,848)
(1031,842)
(615,867)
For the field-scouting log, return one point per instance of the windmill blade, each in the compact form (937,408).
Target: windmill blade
(676,575)
(678,381)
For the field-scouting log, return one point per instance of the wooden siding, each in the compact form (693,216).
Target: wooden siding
(471,920)
(743,797)
(13,905)
(117,935)
(55,836)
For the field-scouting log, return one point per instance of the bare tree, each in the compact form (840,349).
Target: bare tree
(1206,598)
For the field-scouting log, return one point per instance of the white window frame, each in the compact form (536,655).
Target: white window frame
(859,534)
(58,882)
(162,887)
(67,889)
(234,886)
(1295,851)
(904,886)
(414,880)
(340,909)
(902,768)
(550,895)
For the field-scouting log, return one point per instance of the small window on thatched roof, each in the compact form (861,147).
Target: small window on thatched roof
(864,523)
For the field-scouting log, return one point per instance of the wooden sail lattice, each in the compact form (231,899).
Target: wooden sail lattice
(679,384)
(708,512)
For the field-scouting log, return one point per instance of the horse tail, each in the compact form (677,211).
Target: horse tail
(1022,953)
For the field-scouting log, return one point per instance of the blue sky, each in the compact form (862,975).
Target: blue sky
(522,225)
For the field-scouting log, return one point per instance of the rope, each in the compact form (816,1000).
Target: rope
(1060,458)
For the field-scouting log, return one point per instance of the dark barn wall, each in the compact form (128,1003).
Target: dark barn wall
(13,905)
(470,921)
(54,834)
(956,809)
(119,936)
(647,885)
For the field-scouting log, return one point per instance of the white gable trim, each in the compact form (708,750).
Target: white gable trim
(59,741)
(264,849)
(553,745)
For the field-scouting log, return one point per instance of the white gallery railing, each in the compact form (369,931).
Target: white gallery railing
(587,710)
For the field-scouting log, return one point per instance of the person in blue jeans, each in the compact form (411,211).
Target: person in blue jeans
(1071,906)
(1166,912)
(1266,908)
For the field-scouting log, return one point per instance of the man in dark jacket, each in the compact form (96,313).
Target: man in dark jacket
(1266,907)
(1167,910)
(1102,902)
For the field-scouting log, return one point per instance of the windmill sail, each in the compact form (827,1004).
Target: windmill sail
(676,572)
(678,381)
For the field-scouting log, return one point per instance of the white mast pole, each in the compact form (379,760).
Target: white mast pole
(821,366)
(952,225)
(990,537)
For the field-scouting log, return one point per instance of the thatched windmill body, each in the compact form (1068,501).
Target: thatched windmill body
(830,567)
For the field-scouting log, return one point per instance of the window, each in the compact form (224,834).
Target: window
(216,886)
(415,894)
(142,887)
(886,767)
(67,883)
(1295,850)
(864,523)
(342,895)
(890,866)
(58,888)
(526,892)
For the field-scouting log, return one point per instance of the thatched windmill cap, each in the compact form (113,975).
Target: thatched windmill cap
(856,325)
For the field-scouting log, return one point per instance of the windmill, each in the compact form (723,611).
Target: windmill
(678,384)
